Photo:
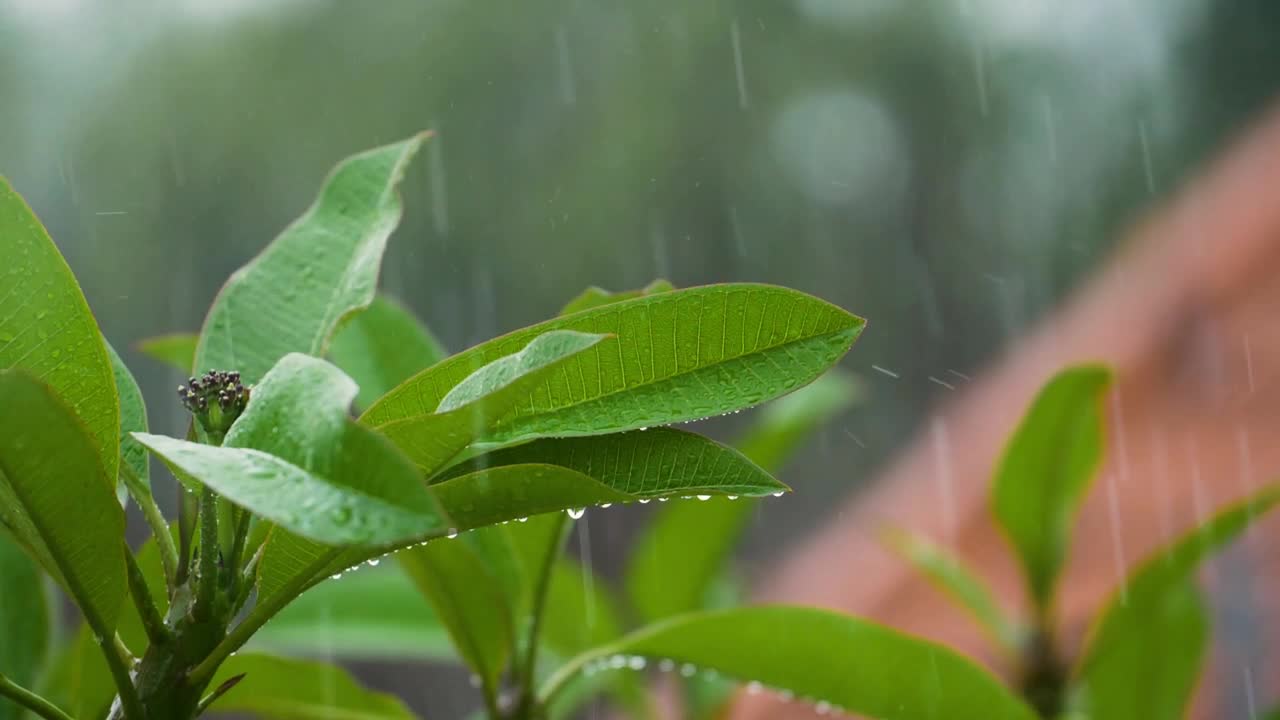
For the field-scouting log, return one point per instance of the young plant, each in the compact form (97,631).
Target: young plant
(283,489)
(480,595)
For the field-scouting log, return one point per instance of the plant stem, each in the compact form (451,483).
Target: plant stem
(529,676)
(30,700)
(260,614)
(157,633)
(207,582)
(128,695)
(155,519)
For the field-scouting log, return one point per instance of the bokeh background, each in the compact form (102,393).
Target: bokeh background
(947,168)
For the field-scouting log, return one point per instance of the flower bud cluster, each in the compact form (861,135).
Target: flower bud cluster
(216,399)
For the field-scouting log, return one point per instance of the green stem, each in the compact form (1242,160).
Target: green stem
(157,633)
(155,519)
(260,614)
(529,668)
(207,583)
(30,700)
(106,639)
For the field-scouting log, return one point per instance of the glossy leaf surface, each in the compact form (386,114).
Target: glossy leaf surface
(659,462)
(864,668)
(485,399)
(677,356)
(47,330)
(55,497)
(296,459)
(324,266)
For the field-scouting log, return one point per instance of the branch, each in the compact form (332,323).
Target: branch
(155,519)
(157,633)
(30,700)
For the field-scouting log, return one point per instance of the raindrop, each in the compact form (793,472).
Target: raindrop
(732,497)
(704,497)
(754,687)
(636,662)
(576,513)
(336,576)
(644,501)
(452,534)
(523,519)
(373,562)
(606,505)
(688,670)
(779,494)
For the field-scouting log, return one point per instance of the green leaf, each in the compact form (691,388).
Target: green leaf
(133,418)
(594,297)
(1045,470)
(484,399)
(47,330)
(678,356)
(326,509)
(1161,650)
(1273,715)
(677,558)
(820,657)
(432,440)
(295,458)
(56,499)
(1152,631)
(177,350)
(947,573)
(381,347)
(323,267)
(25,621)
(660,462)
(375,613)
(284,689)
(470,602)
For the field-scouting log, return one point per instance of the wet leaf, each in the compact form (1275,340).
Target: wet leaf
(677,356)
(469,601)
(286,689)
(294,458)
(947,573)
(374,613)
(56,499)
(1152,633)
(477,402)
(683,551)
(485,398)
(863,668)
(25,621)
(659,462)
(46,328)
(381,347)
(177,350)
(1045,470)
(323,267)
(133,418)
